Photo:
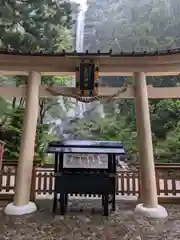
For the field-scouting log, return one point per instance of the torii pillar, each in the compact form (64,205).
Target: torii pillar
(149,206)
(21,204)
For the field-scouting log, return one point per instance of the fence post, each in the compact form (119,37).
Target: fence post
(117,184)
(140,197)
(33,185)
(1,153)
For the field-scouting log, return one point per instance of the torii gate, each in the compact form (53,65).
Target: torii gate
(138,65)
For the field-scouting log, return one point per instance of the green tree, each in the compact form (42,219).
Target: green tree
(10,132)
(164,117)
(168,150)
(32,26)
(35,25)
(25,26)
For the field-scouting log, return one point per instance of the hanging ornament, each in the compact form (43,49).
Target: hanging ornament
(87,74)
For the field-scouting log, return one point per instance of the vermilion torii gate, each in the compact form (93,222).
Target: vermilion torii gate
(138,65)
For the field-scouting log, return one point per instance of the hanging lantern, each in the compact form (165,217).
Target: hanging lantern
(86,79)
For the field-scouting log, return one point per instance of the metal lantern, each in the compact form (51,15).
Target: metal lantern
(86,79)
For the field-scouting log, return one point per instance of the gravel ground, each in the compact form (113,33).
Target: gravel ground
(83,223)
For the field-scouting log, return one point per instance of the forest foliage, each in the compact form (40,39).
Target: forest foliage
(29,26)
(135,25)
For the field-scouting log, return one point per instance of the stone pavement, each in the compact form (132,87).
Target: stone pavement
(81,223)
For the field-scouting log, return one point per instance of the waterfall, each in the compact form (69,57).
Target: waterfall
(81,108)
(63,127)
(80,25)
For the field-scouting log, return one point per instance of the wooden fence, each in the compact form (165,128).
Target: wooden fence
(128,183)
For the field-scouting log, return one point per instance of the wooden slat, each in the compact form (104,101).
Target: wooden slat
(165,178)
(6,196)
(128,183)
(169,200)
(8,179)
(169,191)
(139,186)
(51,178)
(158,182)
(1,178)
(173,180)
(117,184)
(45,183)
(134,184)
(39,178)
(122,190)
(33,185)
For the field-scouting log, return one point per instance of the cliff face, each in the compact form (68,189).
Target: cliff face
(127,25)
(96,15)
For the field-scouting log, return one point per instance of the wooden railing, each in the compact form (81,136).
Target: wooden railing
(8,179)
(128,183)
